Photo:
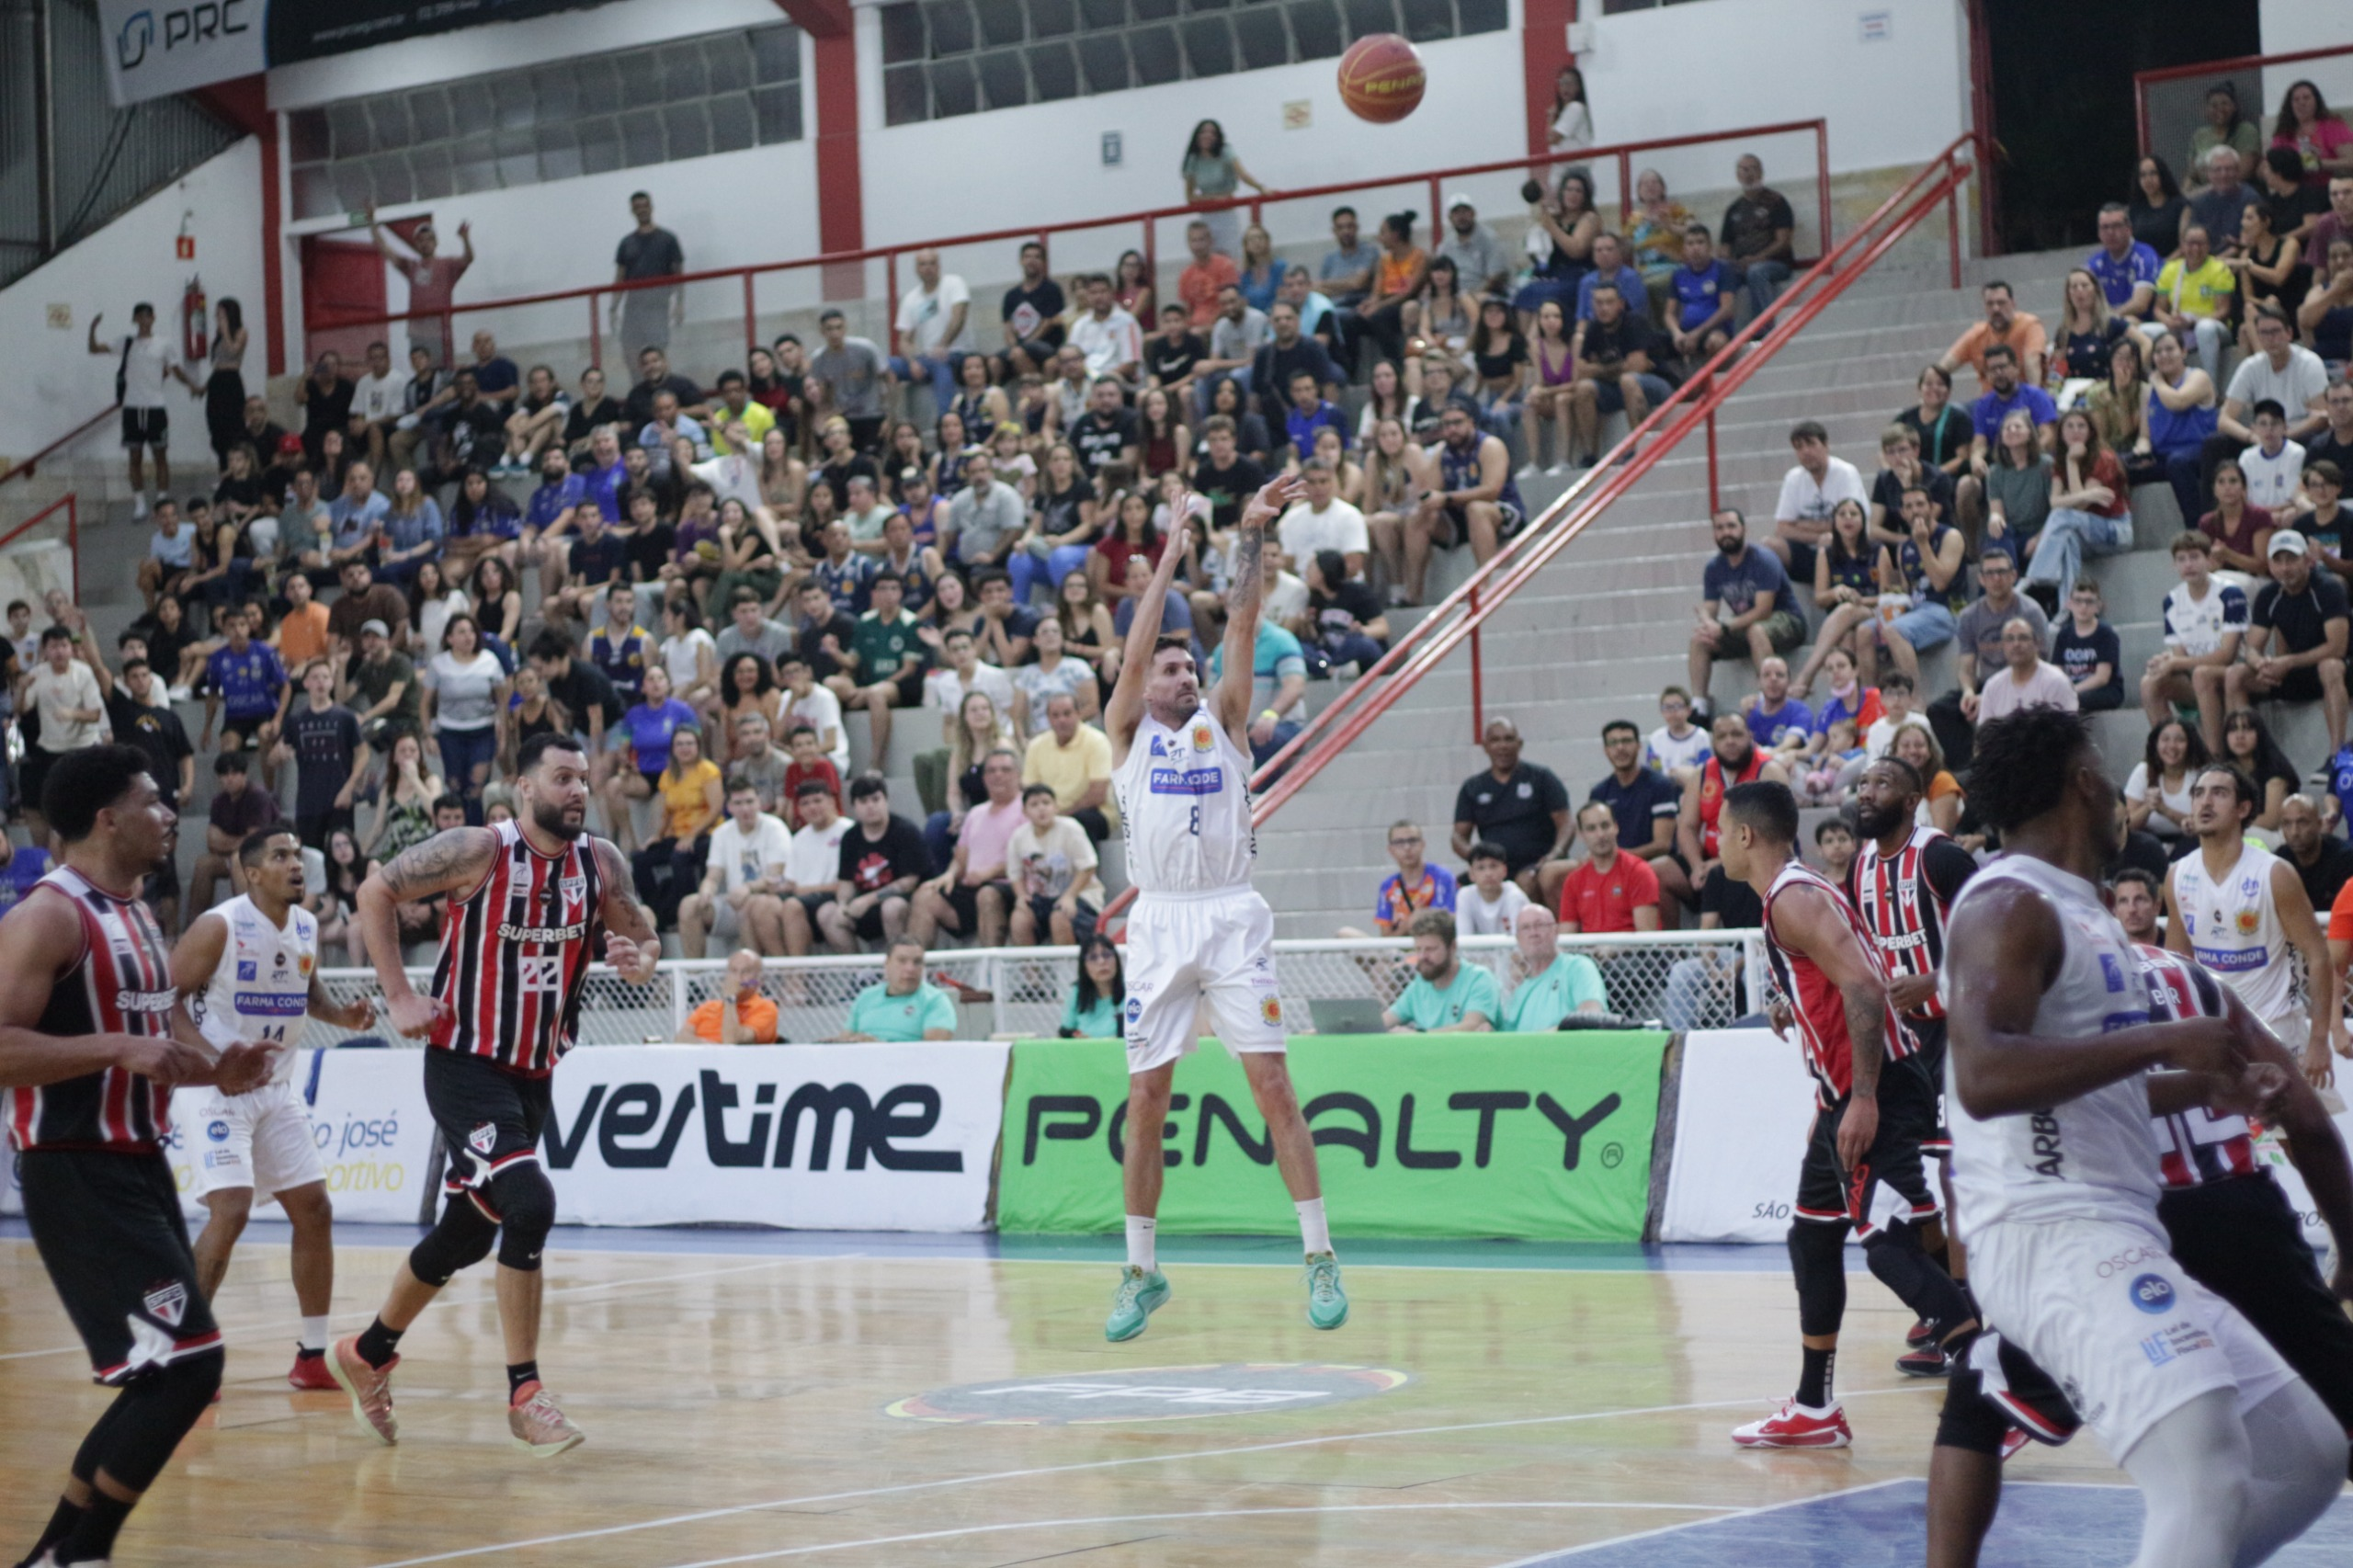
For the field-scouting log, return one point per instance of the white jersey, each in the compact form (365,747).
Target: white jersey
(261,989)
(2088,1158)
(2234,930)
(1184,808)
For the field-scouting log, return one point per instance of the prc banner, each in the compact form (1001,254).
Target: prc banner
(154,47)
(1744,1110)
(809,1137)
(1541,1137)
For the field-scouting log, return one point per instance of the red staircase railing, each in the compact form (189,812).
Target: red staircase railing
(25,470)
(69,505)
(1694,404)
(1621,153)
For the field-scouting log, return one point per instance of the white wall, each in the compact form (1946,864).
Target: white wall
(502,46)
(2291,25)
(1896,99)
(1043,162)
(53,382)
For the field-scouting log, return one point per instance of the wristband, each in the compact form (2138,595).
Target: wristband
(1269,716)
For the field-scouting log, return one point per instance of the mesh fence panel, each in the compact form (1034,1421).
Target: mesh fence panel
(1696,980)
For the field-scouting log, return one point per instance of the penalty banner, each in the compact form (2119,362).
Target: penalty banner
(1540,1137)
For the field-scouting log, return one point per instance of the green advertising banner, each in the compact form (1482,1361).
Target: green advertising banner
(1537,1137)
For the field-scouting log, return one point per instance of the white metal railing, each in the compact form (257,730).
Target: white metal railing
(1686,979)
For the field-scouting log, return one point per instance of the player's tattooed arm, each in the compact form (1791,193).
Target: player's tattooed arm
(446,862)
(632,945)
(40,943)
(1246,592)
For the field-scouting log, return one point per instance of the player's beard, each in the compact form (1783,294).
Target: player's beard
(549,817)
(1878,824)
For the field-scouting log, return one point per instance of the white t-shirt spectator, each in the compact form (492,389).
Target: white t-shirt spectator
(1667,754)
(2005,694)
(55,695)
(1884,732)
(924,315)
(1304,531)
(2295,389)
(681,656)
(464,695)
(816,858)
(143,371)
(943,691)
(2198,626)
(1474,916)
(1285,599)
(745,858)
(1109,343)
(821,710)
(175,550)
(380,397)
(1045,867)
(2138,787)
(2272,481)
(1803,500)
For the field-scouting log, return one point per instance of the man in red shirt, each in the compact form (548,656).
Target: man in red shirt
(1609,892)
(1210,271)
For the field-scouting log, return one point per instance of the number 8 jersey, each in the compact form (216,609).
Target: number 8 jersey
(261,988)
(1184,808)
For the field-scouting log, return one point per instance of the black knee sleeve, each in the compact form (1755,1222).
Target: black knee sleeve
(525,1199)
(1903,1266)
(1969,1420)
(157,1410)
(1818,1258)
(461,1240)
(98,1442)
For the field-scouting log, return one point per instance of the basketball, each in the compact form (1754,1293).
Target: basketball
(1381,78)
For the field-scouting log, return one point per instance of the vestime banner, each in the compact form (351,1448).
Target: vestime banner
(831,1138)
(1534,1136)
(154,47)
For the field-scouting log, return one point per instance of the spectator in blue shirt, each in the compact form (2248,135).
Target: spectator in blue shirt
(496,377)
(606,475)
(1745,605)
(1610,267)
(250,680)
(2005,393)
(1703,299)
(413,529)
(1413,886)
(1777,721)
(1278,689)
(356,515)
(2126,268)
(1175,610)
(1310,411)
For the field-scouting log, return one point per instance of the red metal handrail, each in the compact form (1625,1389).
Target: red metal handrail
(2143,80)
(25,470)
(66,503)
(1623,152)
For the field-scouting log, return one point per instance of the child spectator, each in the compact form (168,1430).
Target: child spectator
(2088,651)
(1678,743)
(1492,901)
(1841,745)
(809,763)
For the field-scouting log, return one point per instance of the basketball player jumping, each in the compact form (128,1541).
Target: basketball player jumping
(2237,908)
(527,899)
(1200,934)
(249,970)
(1862,1164)
(2051,1041)
(2232,1230)
(92,1038)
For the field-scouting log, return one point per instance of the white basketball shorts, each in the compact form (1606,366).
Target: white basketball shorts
(261,1139)
(1186,950)
(2124,1330)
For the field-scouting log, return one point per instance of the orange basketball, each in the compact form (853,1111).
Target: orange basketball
(1381,78)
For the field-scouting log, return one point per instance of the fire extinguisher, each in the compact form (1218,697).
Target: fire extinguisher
(196,324)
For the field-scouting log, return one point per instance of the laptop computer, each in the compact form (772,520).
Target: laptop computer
(1346,1014)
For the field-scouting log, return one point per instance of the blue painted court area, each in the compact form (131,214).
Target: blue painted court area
(1882,1527)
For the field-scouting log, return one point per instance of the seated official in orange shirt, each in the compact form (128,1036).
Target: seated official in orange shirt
(1609,890)
(739,1015)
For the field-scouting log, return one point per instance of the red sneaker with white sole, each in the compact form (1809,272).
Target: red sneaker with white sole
(2013,1441)
(310,1371)
(1796,1426)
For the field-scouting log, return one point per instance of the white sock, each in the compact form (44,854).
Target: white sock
(1140,1229)
(314,1333)
(1313,1231)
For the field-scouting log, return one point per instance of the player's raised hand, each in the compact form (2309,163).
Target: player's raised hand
(413,1017)
(1273,498)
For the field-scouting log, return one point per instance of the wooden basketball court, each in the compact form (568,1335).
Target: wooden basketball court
(894,1400)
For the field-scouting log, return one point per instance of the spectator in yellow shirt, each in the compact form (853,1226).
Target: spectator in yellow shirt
(739,1015)
(2194,294)
(1075,761)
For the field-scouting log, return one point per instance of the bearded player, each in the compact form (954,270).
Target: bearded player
(1200,934)
(527,899)
(249,970)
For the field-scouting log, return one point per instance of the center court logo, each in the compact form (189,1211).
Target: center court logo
(2152,1293)
(1150,1394)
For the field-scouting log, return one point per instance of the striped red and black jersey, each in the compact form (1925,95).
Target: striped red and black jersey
(121,983)
(1903,899)
(515,955)
(1821,1009)
(1712,785)
(2194,1147)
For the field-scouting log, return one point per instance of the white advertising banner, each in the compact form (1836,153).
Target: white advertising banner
(2274,1155)
(834,1138)
(1745,1108)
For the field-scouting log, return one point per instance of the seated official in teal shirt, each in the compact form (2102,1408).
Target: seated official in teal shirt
(1558,983)
(903,1006)
(1447,996)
